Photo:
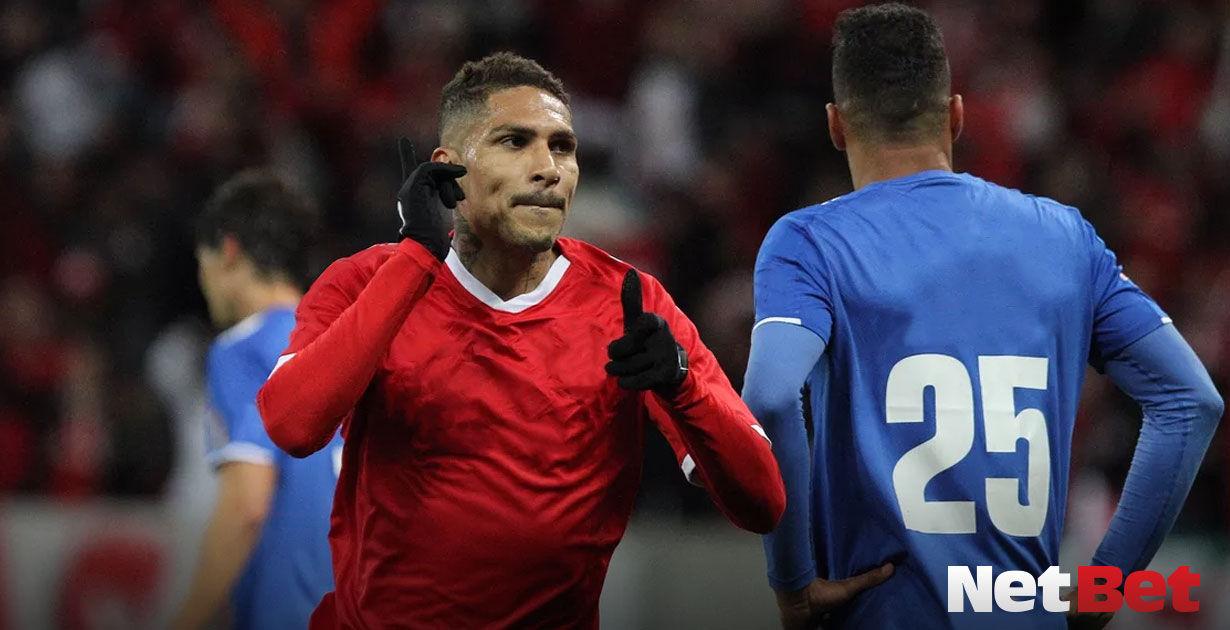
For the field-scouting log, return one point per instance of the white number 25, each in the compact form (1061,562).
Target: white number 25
(954,437)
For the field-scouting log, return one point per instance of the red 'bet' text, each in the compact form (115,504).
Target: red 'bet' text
(1092,582)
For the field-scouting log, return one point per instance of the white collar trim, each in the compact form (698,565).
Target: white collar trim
(518,303)
(243,329)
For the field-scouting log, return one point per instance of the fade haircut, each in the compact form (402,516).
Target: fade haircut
(275,223)
(890,73)
(467,93)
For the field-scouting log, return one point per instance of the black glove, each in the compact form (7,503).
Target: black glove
(421,220)
(647,356)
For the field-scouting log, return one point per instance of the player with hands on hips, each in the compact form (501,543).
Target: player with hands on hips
(940,326)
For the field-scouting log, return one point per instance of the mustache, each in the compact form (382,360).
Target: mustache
(544,199)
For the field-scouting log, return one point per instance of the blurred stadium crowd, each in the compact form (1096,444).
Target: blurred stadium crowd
(700,123)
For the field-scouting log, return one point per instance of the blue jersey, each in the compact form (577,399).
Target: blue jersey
(290,569)
(958,318)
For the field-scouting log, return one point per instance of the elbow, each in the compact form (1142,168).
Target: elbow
(764,518)
(777,504)
(774,511)
(767,500)
(760,527)
(768,406)
(299,451)
(279,424)
(756,399)
(766,507)
(1210,406)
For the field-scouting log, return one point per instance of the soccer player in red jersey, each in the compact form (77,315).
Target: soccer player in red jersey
(493,393)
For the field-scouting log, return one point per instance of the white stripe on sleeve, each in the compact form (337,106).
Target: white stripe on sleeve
(282,361)
(689,471)
(785,320)
(245,452)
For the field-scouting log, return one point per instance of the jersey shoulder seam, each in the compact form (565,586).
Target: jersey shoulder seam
(591,258)
(377,253)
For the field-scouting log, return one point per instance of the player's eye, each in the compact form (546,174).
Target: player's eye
(567,147)
(514,141)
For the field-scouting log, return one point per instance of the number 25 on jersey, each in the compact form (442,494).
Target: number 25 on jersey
(999,377)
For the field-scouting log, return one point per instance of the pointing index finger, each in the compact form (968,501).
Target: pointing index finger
(630,297)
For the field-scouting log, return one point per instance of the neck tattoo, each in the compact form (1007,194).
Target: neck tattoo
(465,242)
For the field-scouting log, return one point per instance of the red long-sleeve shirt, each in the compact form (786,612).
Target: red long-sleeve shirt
(490,463)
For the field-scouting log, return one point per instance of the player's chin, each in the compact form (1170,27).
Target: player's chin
(536,236)
(537,242)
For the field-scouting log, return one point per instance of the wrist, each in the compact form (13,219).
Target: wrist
(682,394)
(792,598)
(795,585)
(420,254)
(678,389)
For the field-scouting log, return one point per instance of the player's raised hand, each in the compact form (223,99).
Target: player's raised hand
(804,609)
(421,220)
(647,356)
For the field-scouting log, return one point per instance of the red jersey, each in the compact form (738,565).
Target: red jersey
(490,463)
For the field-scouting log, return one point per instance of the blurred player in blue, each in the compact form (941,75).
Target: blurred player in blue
(266,545)
(942,325)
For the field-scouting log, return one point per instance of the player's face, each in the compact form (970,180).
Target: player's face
(521,169)
(211,274)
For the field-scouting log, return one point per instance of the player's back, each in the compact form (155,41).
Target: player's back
(961,323)
(289,569)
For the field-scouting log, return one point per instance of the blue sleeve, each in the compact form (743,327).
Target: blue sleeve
(236,433)
(781,358)
(791,280)
(1181,411)
(1122,313)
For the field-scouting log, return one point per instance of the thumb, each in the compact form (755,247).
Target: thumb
(863,581)
(630,298)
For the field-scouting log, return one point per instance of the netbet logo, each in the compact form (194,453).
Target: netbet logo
(1097,590)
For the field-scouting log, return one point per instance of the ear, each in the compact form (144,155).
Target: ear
(451,156)
(837,131)
(448,156)
(956,116)
(229,251)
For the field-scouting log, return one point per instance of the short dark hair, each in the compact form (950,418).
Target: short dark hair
(468,91)
(275,223)
(890,73)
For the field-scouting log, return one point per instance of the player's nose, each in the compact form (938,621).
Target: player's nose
(544,171)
